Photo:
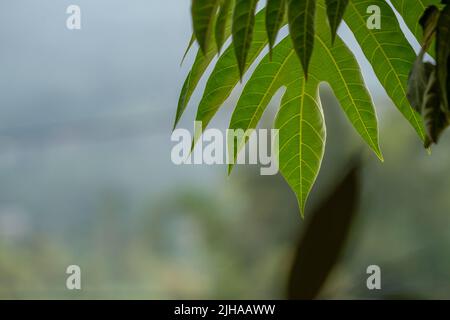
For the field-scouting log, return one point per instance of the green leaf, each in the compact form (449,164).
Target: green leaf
(436,121)
(337,66)
(275,12)
(242,29)
(223,22)
(335,11)
(203,18)
(201,63)
(301,17)
(389,53)
(192,79)
(443,56)
(418,82)
(300,118)
(334,64)
(266,80)
(302,136)
(411,11)
(225,75)
(420,74)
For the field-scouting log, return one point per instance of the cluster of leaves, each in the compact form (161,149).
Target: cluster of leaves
(312,53)
(429,84)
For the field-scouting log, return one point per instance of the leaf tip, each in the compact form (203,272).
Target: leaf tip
(230,170)
(175,122)
(428,148)
(301,208)
(379,155)
(333,37)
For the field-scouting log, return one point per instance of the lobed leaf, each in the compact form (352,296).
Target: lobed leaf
(339,68)
(336,65)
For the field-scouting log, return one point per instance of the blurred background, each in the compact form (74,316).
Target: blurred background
(86,176)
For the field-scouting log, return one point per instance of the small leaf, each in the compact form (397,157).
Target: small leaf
(436,121)
(335,11)
(301,16)
(203,18)
(223,19)
(429,21)
(243,24)
(418,82)
(443,56)
(275,12)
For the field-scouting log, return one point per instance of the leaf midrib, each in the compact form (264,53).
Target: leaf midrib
(374,145)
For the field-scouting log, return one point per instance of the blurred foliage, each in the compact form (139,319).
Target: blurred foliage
(239,240)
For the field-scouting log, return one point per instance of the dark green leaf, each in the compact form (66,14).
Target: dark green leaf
(223,19)
(275,12)
(301,17)
(443,55)
(436,121)
(203,18)
(418,82)
(242,29)
(429,22)
(335,11)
